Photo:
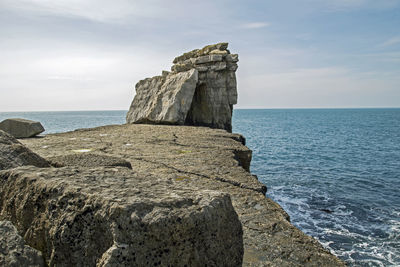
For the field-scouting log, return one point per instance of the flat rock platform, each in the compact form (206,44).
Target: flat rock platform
(203,159)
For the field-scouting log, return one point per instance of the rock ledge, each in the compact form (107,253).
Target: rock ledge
(185,161)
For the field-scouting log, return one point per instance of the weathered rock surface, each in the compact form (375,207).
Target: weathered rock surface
(21,128)
(200,90)
(13,250)
(14,154)
(198,158)
(88,160)
(115,217)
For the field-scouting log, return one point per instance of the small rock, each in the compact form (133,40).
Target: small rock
(81,150)
(14,154)
(165,102)
(21,128)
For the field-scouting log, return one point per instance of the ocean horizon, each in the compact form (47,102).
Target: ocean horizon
(335,171)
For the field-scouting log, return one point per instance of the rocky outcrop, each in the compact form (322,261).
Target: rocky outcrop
(14,154)
(200,90)
(13,250)
(196,159)
(21,128)
(115,217)
(88,160)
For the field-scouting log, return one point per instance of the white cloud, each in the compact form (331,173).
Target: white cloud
(341,5)
(90,9)
(374,58)
(81,77)
(392,41)
(115,11)
(255,25)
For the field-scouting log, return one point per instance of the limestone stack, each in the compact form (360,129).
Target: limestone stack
(200,90)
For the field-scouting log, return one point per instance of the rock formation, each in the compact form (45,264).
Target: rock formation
(184,196)
(115,217)
(21,128)
(14,154)
(179,161)
(200,90)
(13,250)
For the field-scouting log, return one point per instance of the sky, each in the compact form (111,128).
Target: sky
(89,54)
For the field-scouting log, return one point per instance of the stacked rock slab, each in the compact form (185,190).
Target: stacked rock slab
(200,90)
(21,128)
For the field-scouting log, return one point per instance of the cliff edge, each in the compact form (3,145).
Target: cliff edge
(152,195)
(197,159)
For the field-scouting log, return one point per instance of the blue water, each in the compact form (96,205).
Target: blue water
(335,171)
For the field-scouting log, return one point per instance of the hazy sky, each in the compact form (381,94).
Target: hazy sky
(88,54)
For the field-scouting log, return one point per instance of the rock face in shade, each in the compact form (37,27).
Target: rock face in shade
(13,250)
(21,128)
(200,90)
(108,216)
(14,154)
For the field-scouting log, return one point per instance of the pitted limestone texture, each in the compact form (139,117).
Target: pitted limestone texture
(115,217)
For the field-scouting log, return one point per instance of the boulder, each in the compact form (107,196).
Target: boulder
(114,217)
(21,128)
(164,99)
(13,250)
(200,90)
(14,154)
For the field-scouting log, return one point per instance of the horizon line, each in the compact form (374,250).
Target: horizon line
(239,108)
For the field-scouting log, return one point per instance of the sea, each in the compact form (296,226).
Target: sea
(336,172)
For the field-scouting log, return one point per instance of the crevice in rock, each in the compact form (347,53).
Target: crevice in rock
(199,110)
(262,189)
